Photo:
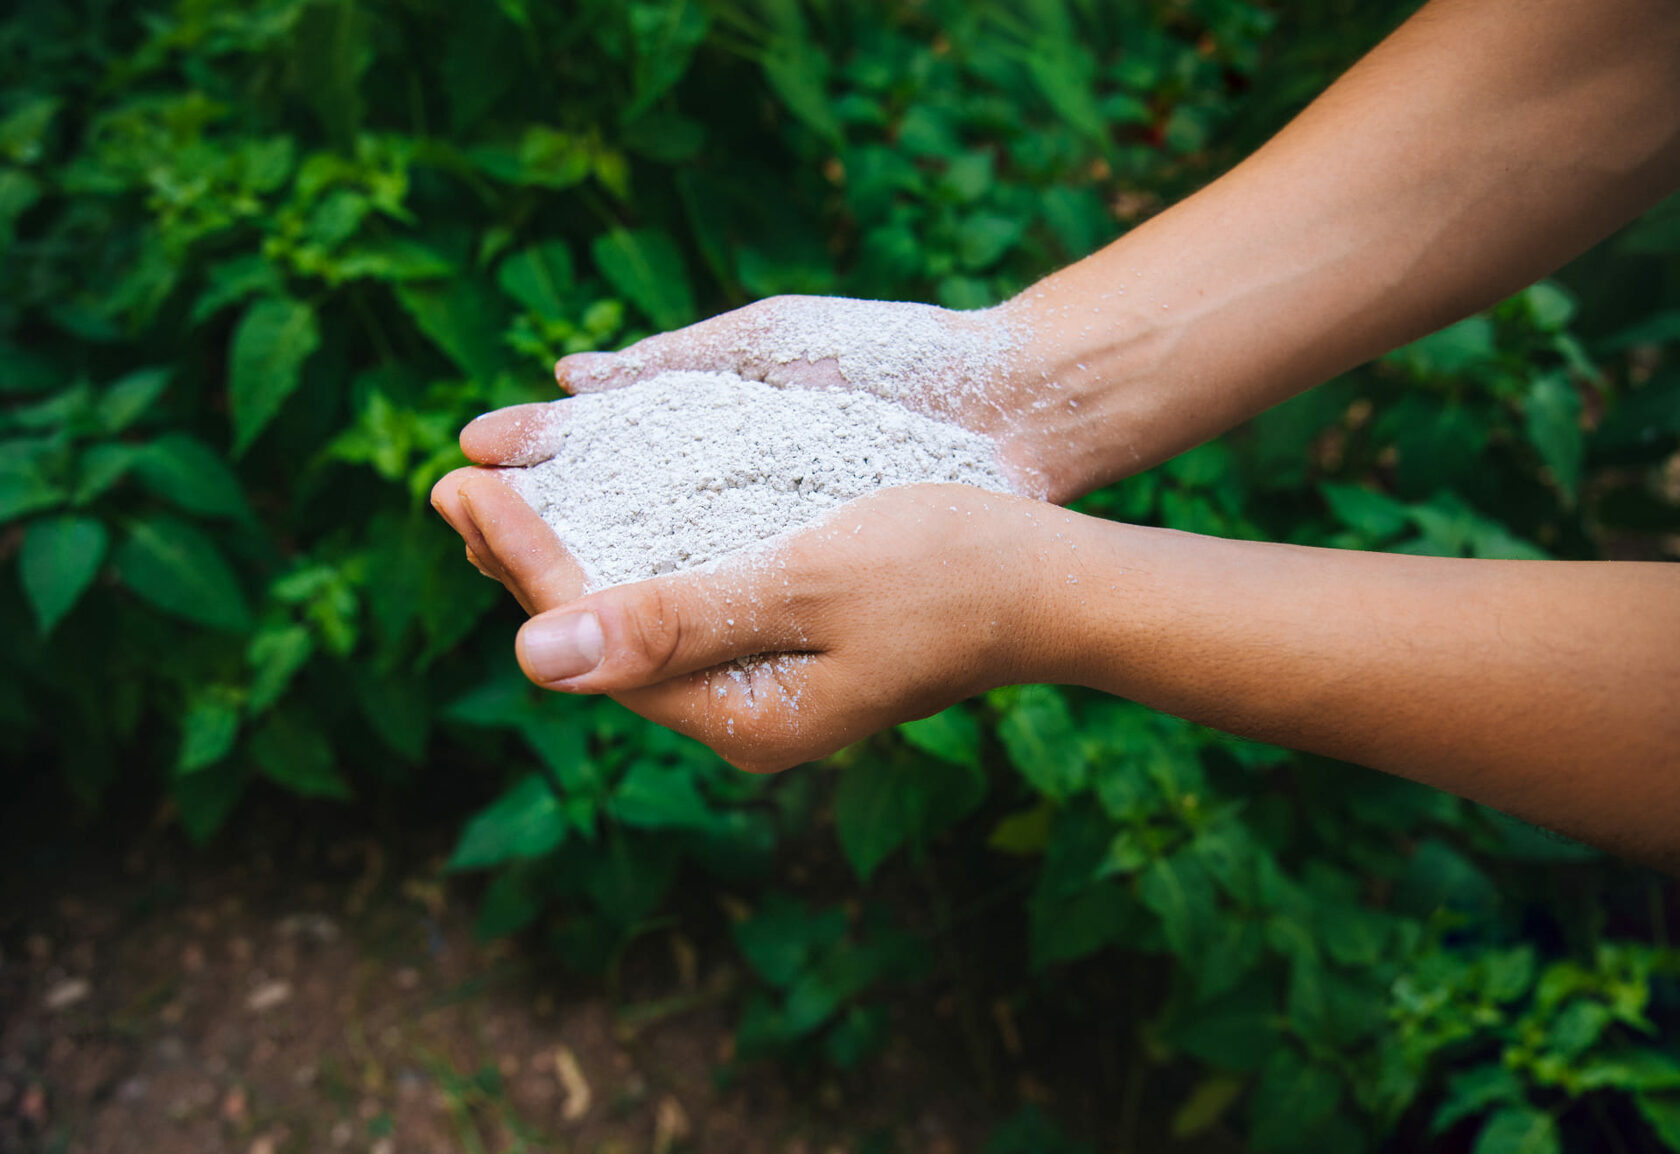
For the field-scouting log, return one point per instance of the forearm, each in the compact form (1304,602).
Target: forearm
(1549,690)
(1481,146)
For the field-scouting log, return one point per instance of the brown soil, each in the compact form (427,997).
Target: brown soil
(290,992)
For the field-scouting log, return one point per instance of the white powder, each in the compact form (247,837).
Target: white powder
(686,467)
(895,349)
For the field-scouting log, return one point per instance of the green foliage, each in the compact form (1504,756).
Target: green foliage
(815,972)
(262,260)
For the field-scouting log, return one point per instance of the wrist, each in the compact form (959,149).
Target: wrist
(1093,378)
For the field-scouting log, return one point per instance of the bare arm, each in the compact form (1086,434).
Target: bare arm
(1547,689)
(1481,146)
(1550,690)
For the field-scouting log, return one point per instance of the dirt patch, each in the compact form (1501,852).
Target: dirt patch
(294,991)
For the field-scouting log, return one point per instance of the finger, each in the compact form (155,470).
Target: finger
(723,343)
(762,715)
(517,435)
(632,636)
(519,544)
(446,499)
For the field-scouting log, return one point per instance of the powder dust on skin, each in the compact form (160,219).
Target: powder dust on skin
(933,360)
(688,468)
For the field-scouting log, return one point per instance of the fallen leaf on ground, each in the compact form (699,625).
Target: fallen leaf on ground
(572,1081)
(269,995)
(67,993)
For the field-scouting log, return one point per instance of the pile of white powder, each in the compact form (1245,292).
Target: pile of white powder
(687,467)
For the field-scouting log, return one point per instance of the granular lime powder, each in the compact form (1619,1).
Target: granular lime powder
(687,467)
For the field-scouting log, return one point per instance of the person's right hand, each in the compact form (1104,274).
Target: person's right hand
(892,607)
(977,369)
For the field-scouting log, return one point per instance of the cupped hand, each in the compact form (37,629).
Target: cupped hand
(891,608)
(982,370)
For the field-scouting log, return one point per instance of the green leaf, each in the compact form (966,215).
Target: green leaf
(102,466)
(1662,1111)
(1657,233)
(464,319)
(203,801)
(1553,415)
(274,657)
(232,280)
(59,560)
(798,72)
(562,743)
(1550,304)
(293,752)
(124,402)
(1065,929)
(631,877)
(1180,892)
(877,808)
(539,278)
(26,488)
(951,735)
(547,159)
(24,131)
(393,260)
(983,238)
(19,192)
(1039,733)
(179,570)
(1508,974)
(1236,1032)
(525,822)
(399,711)
(1661,327)
(665,35)
(1519,1130)
(1450,352)
(656,796)
(208,728)
(1473,1091)
(1206,1105)
(274,338)
(783,935)
(1577,1027)
(1024,833)
(647,268)
(1367,510)
(1063,69)
(1644,1070)
(190,475)
(1292,1100)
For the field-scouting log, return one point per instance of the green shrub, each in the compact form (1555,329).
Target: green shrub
(262,259)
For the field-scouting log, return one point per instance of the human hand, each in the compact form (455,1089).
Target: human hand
(981,370)
(891,608)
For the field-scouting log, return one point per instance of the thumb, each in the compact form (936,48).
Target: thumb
(638,635)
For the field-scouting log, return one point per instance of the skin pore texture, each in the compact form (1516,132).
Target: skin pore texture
(1482,145)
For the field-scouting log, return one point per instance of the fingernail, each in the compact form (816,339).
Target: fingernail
(556,648)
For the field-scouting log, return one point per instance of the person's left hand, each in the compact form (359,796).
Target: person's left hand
(893,607)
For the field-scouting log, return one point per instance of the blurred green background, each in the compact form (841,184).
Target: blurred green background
(261,260)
